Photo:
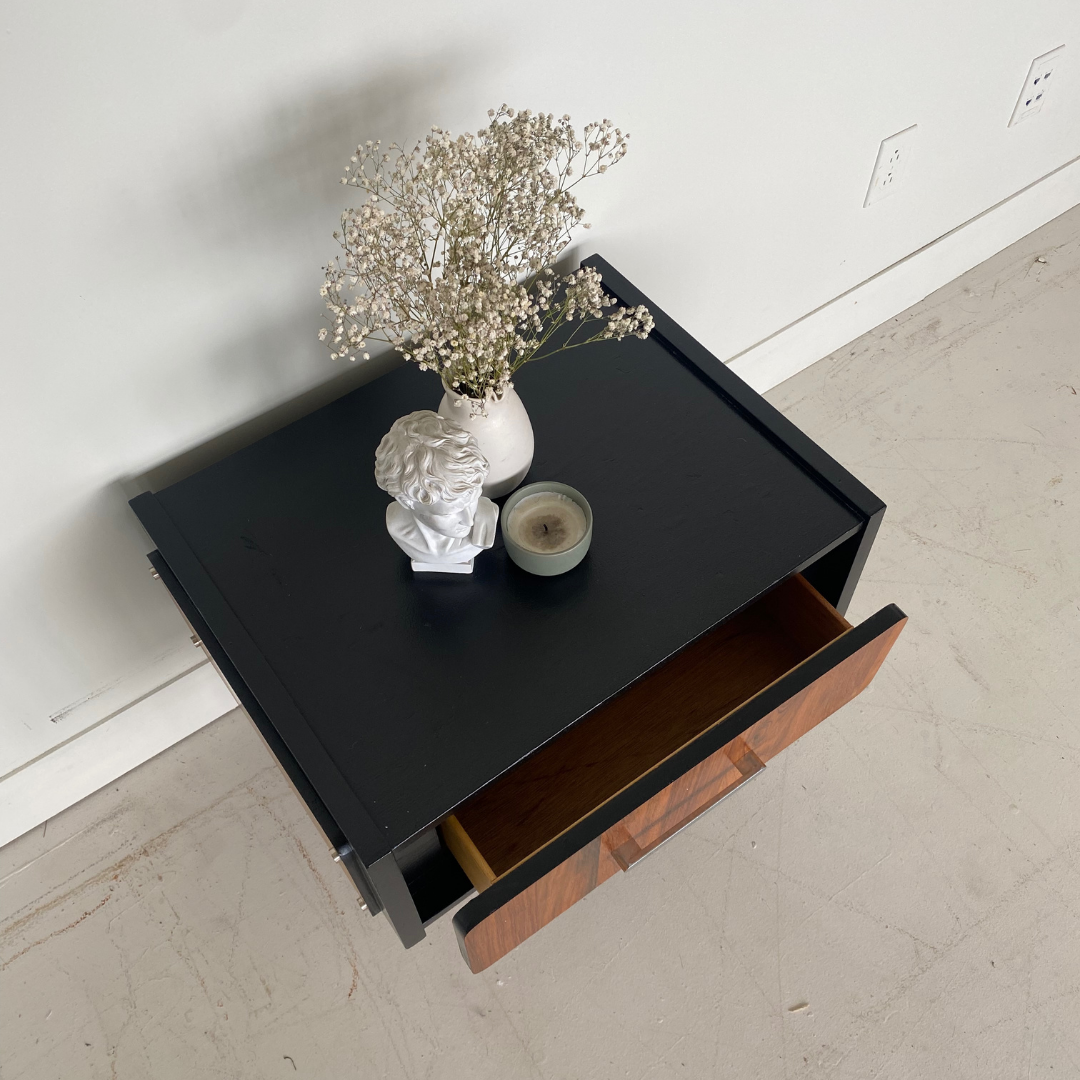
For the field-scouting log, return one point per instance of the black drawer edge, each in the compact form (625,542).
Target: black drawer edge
(349,812)
(273,740)
(588,829)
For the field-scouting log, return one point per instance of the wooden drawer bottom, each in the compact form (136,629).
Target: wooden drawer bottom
(640,768)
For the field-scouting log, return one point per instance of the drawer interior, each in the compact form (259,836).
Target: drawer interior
(564,781)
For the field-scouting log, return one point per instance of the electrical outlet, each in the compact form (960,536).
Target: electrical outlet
(1036,85)
(892,159)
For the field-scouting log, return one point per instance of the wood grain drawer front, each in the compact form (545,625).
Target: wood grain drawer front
(658,819)
(629,776)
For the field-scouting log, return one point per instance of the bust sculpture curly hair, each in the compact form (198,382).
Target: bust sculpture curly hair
(435,472)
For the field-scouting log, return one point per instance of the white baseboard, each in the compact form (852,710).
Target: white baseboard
(58,779)
(23,747)
(906,282)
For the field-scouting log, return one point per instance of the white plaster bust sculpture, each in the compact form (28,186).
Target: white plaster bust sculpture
(434,470)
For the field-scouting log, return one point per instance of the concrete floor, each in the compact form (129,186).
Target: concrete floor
(898,896)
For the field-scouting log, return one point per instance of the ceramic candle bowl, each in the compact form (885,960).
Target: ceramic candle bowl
(545,564)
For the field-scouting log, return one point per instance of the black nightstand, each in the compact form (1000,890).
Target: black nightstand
(531,736)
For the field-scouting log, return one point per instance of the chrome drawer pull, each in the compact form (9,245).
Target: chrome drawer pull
(630,853)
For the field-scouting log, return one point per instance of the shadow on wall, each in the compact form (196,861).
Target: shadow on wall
(226,442)
(89,617)
(286,178)
(281,190)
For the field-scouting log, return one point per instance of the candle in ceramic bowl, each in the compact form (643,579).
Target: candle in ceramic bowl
(547,528)
(547,522)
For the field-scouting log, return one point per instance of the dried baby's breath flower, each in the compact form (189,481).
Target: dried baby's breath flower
(449,258)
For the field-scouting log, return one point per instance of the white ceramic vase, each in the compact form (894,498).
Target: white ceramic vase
(505,436)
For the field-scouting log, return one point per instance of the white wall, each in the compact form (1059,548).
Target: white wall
(170,185)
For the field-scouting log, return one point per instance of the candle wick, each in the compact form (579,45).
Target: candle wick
(545,527)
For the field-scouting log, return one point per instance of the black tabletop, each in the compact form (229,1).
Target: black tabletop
(421,690)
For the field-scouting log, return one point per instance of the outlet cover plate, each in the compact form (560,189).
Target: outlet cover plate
(1036,86)
(892,161)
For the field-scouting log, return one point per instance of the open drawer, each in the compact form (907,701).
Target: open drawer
(633,772)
